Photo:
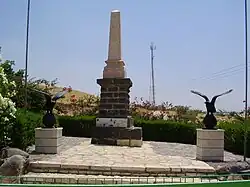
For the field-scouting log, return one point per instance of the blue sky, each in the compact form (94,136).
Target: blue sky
(195,39)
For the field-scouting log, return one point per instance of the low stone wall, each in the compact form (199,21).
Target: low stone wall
(45,178)
(47,167)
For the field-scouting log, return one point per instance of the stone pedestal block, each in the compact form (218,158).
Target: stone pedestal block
(210,145)
(48,140)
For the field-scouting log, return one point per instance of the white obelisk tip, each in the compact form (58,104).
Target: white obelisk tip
(115,10)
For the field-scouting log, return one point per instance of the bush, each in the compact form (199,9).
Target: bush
(153,130)
(77,126)
(234,137)
(23,134)
(167,131)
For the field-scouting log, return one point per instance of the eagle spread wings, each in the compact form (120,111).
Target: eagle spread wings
(57,96)
(214,98)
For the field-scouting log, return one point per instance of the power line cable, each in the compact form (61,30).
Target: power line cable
(222,72)
(227,73)
(235,73)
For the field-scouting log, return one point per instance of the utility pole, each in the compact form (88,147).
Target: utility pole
(152,48)
(246,85)
(27,55)
(150,89)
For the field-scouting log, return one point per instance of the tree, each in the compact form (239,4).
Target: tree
(34,99)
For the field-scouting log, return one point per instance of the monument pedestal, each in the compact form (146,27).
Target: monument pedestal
(210,145)
(48,140)
(114,102)
(114,126)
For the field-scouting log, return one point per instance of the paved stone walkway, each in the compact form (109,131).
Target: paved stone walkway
(73,146)
(174,156)
(79,151)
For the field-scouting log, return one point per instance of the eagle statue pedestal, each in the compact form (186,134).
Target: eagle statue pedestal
(210,145)
(48,140)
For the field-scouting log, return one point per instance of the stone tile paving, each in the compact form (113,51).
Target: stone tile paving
(232,163)
(151,154)
(80,151)
(185,150)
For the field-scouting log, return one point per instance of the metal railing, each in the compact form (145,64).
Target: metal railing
(243,183)
(236,180)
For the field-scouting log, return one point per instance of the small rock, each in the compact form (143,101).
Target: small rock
(7,152)
(231,167)
(14,165)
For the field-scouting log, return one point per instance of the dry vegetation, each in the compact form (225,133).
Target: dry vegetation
(81,103)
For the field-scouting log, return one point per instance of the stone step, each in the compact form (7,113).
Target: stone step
(120,170)
(54,178)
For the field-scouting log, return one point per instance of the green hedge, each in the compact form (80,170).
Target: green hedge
(234,137)
(23,133)
(167,131)
(78,126)
(154,130)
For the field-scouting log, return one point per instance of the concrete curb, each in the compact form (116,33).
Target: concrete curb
(53,167)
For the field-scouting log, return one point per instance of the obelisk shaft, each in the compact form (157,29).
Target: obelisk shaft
(114,53)
(115,64)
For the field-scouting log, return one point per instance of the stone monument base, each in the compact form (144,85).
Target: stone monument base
(210,145)
(48,140)
(120,136)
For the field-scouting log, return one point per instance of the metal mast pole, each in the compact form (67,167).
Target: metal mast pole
(152,48)
(246,83)
(27,54)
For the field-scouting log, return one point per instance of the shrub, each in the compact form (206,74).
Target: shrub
(77,126)
(23,134)
(153,130)
(167,131)
(234,137)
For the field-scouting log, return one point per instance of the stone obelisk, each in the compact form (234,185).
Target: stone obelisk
(114,126)
(115,65)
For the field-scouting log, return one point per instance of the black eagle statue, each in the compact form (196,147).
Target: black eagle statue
(210,121)
(49,120)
